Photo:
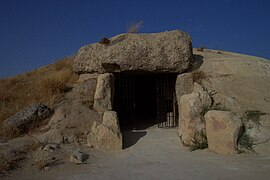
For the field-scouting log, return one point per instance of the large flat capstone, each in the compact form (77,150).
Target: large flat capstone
(169,51)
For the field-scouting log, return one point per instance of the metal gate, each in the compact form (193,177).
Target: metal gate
(124,92)
(167,111)
(124,103)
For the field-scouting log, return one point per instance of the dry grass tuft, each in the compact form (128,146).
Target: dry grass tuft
(45,85)
(53,85)
(199,141)
(42,164)
(10,161)
(199,76)
(6,164)
(134,27)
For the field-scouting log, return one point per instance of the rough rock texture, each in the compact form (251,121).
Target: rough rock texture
(160,52)
(226,72)
(103,99)
(79,157)
(23,119)
(222,131)
(13,146)
(85,89)
(183,85)
(259,133)
(73,118)
(50,147)
(191,107)
(106,136)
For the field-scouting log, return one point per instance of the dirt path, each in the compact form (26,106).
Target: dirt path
(157,154)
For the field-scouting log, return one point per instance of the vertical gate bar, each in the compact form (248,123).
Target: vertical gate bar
(158,100)
(165,95)
(132,100)
(164,102)
(168,110)
(158,103)
(167,100)
(171,95)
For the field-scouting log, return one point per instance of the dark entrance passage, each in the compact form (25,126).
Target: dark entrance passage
(145,100)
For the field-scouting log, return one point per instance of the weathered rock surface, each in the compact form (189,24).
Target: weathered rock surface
(73,118)
(50,147)
(183,85)
(258,132)
(85,89)
(159,52)
(103,99)
(107,135)
(79,157)
(191,107)
(222,131)
(23,119)
(228,71)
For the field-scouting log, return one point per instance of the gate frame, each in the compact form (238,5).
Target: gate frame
(167,120)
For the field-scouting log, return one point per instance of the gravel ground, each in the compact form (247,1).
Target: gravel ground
(157,154)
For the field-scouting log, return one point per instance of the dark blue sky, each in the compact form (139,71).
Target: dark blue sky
(34,33)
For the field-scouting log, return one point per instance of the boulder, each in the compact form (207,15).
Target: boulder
(71,123)
(226,71)
(169,51)
(110,120)
(183,85)
(222,131)
(107,135)
(259,130)
(191,107)
(22,120)
(259,133)
(103,99)
(79,157)
(50,147)
(84,89)
(73,117)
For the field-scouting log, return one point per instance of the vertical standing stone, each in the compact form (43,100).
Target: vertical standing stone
(222,130)
(103,99)
(183,85)
(191,107)
(107,135)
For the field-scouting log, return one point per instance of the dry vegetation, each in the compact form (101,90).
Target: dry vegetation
(10,161)
(134,27)
(199,76)
(7,163)
(42,164)
(45,85)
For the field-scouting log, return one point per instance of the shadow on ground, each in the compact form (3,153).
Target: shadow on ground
(131,137)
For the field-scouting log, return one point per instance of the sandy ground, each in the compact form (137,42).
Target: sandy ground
(155,154)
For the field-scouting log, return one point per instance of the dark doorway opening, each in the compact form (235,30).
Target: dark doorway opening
(145,102)
(142,101)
